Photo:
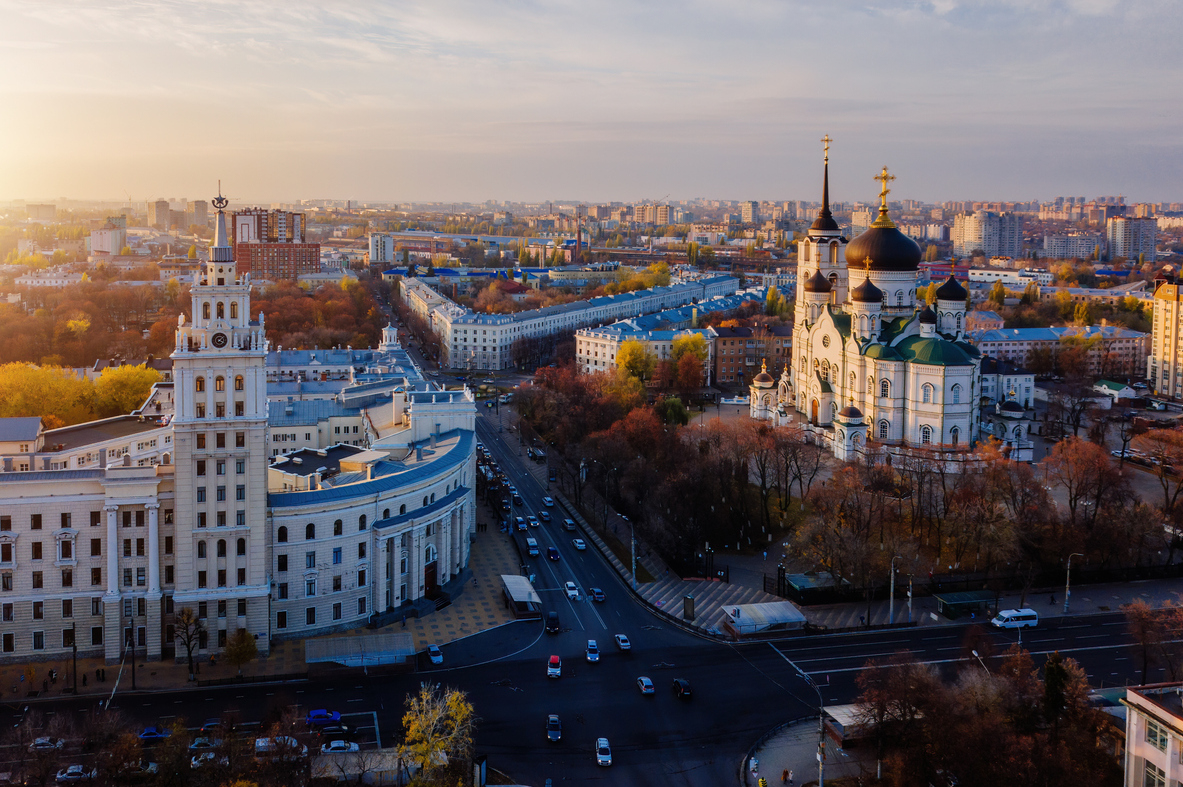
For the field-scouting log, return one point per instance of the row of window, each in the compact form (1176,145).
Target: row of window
(220,311)
(281,560)
(38,639)
(220,492)
(203,578)
(281,535)
(220,409)
(240,548)
(8,611)
(220,441)
(220,518)
(281,618)
(338,584)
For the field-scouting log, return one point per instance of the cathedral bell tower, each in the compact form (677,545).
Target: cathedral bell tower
(220,444)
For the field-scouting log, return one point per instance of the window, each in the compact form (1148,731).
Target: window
(5,523)
(6,581)
(67,608)
(310,616)
(222,609)
(883,430)
(219,382)
(221,518)
(240,547)
(36,545)
(9,643)
(96,576)
(337,611)
(67,577)
(8,613)
(884,389)
(141,578)
(361,577)
(282,563)
(925,435)
(1156,735)
(96,635)
(200,440)
(281,535)
(96,547)
(221,548)
(954,435)
(240,467)
(1155,776)
(338,528)
(168,545)
(283,590)
(336,556)
(201,519)
(221,577)
(139,547)
(336,584)
(310,532)
(309,560)
(221,493)
(361,522)
(241,576)
(199,383)
(926,393)
(310,588)
(200,467)
(202,610)
(38,610)
(37,581)
(65,519)
(201,494)
(168,576)
(402,509)
(956,394)
(240,518)
(238,385)
(35,520)
(281,620)
(361,550)
(38,640)
(200,549)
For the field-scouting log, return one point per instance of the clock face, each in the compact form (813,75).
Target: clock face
(219,340)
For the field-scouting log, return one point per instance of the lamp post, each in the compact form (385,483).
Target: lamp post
(979,658)
(821,724)
(1068,580)
(891,593)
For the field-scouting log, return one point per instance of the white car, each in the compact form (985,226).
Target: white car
(622,642)
(572,591)
(46,744)
(338,747)
(548,502)
(579,544)
(208,758)
(76,773)
(603,752)
(593,651)
(435,654)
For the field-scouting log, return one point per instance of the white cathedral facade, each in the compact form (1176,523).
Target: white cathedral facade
(872,368)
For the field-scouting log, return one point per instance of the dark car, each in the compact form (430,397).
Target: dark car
(554,728)
(517,500)
(335,731)
(552,623)
(322,717)
(155,734)
(552,553)
(596,594)
(681,688)
(505,504)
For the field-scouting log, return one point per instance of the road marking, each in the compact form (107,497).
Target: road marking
(357,700)
(177,702)
(1092,636)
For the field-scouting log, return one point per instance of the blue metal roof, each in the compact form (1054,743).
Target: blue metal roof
(459,453)
(49,475)
(307,412)
(439,505)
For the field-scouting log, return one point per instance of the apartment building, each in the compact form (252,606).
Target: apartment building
(1164,366)
(1074,246)
(993,233)
(740,351)
(1132,238)
(1153,735)
(596,348)
(1118,351)
(270,244)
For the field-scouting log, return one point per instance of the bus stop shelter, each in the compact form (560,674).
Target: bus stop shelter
(521,597)
(963,602)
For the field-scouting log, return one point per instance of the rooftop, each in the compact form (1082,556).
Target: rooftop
(14,430)
(71,438)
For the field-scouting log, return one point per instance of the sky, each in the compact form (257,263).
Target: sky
(594,100)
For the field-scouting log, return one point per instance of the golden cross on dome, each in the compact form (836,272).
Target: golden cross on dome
(884,179)
(826,141)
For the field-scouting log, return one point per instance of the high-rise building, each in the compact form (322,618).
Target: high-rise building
(750,211)
(269,244)
(41,213)
(997,235)
(158,214)
(1076,246)
(1132,238)
(860,221)
(381,248)
(197,212)
(661,215)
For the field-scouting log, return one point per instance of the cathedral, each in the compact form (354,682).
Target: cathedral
(872,368)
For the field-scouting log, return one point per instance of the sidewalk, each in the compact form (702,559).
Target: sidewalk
(477,609)
(794,748)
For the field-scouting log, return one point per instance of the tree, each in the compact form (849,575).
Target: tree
(671,411)
(241,649)
(1166,447)
(438,730)
(121,389)
(49,391)
(190,630)
(689,373)
(693,343)
(997,294)
(636,359)
(1146,627)
(192,252)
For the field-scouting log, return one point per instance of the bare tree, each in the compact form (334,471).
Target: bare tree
(190,630)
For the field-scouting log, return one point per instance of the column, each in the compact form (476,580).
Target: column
(112,550)
(153,549)
(112,612)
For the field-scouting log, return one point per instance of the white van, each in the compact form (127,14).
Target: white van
(1016,619)
(532,547)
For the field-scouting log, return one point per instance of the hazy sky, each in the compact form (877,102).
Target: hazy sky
(614,100)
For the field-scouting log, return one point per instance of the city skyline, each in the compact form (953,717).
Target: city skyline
(612,102)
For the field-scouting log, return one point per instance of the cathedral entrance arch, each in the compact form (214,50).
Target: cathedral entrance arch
(813,413)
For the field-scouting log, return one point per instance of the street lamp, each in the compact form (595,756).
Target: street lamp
(1068,580)
(821,724)
(979,658)
(891,594)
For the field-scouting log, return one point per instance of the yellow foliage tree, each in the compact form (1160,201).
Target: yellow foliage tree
(122,389)
(689,343)
(58,396)
(636,359)
(438,730)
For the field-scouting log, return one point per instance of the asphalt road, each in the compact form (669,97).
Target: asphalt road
(740,691)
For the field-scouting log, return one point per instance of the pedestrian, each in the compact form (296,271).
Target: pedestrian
(45,685)
(765,554)
(784,776)
(862,620)
(84,680)
(1052,601)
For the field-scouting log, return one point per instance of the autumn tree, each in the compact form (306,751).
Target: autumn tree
(190,630)
(635,359)
(1165,447)
(55,394)
(121,389)
(438,730)
(241,649)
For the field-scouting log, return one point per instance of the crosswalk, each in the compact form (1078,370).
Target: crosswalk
(710,598)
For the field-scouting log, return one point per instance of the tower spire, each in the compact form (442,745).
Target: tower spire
(825,219)
(884,178)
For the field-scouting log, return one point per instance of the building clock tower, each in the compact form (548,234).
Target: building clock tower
(219,435)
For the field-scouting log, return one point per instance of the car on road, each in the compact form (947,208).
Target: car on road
(603,752)
(517,499)
(645,685)
(533,520)
(623,643)
(544,516)
(435,654)
(212,728)
(519,522)
(568,524)
(552,622)
(155,734)
(207,758)
(204,744)
(320,717)
(579,544)
(548,502)
(596,594)
(554,667)
(46,744)
(339,747)
(681,688)
(505,504)
(554,728)
(76,773)
(552,553)
(572,591)
(593,651)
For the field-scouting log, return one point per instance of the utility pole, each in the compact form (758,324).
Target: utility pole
(1068,580)
(891,595)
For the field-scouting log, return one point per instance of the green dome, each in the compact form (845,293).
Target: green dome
(934,352)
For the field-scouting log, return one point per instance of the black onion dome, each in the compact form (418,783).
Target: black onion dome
(850,411)
(867,293)
(817,283)
(1011,406)
(952,290)
(883,248)
(928,316)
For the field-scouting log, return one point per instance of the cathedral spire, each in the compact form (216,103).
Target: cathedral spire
(220,250)
(825,219)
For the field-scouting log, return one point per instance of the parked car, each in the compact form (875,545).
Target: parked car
(76,773)
(579,544)
(339,747)
(207,758)
(320,717)
(623,643)
(46,744)
(603,752)
(283,747)
(681,688)
(517,499)
(333,731)
(645,685)
(554,728)
(593,651)
(205,744)
(155,734)
(435,654)
(554,667)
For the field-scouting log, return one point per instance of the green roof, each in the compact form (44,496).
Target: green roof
(933,351)
(841,322)
(826,388)
(1110,385)
(882,352)
(894,328)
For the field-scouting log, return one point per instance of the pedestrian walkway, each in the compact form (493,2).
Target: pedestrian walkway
(478,608)
(793,749)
